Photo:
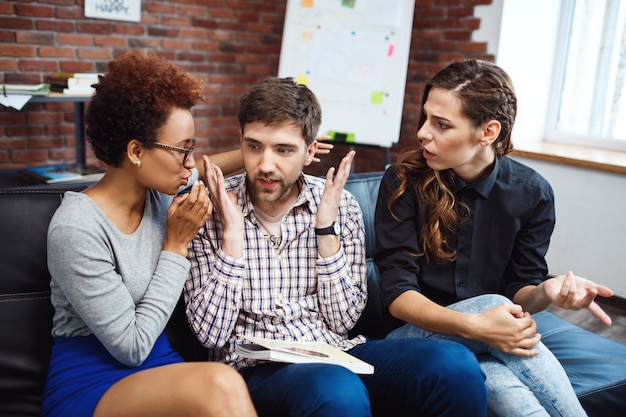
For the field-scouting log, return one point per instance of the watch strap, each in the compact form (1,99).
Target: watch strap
(333,229)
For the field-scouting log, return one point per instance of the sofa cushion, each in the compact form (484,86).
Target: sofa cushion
(595,365)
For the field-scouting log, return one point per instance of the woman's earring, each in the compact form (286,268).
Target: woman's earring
(138,163)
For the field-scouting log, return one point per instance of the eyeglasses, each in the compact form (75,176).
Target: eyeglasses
(186,151)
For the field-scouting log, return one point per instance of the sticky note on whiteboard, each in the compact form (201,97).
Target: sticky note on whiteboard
(377,97)
(342,137)
(348,3)
(302,79)
(306,36)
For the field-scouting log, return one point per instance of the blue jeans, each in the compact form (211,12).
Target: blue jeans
(516,386)
(412,377)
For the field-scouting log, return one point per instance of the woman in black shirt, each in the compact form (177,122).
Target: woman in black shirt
(462,229)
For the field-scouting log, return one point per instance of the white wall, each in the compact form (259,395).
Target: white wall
(590,234)
(525,48)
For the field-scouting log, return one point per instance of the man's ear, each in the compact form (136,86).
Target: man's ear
(490,132)
(310,153)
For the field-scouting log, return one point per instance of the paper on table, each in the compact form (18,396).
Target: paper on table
(17,101)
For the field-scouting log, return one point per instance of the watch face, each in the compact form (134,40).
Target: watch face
(337,228)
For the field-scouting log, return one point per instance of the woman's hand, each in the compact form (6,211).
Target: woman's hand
(323,148)
(185,216)
(227,208)
(573,293)
(507,328)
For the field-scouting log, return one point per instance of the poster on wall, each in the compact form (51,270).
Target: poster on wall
(127,10)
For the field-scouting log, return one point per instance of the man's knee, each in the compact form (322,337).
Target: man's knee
(435,377)
(460,365)
(321,390)
(338,391)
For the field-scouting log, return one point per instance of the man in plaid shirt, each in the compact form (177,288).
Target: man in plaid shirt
(283,257)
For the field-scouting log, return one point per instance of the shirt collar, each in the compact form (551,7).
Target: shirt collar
(484,185)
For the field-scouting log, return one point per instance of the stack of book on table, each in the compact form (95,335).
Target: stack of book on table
(73,83)
(55,174)
(300,352)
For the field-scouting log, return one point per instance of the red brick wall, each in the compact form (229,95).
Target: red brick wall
(230,43)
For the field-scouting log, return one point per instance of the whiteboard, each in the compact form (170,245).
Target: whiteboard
(353,54)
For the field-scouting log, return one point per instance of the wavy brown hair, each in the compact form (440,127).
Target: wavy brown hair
(486,93)
(133,101)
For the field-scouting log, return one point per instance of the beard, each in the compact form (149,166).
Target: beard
(268,195)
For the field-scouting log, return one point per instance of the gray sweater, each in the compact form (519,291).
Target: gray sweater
(122,288)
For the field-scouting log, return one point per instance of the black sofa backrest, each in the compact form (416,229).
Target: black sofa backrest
(375,322)
(25,309)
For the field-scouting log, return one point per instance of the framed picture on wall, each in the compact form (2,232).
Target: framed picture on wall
(127,10)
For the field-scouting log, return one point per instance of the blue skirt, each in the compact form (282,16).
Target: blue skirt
(81,370)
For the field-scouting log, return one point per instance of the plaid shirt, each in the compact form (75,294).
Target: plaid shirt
(288,292)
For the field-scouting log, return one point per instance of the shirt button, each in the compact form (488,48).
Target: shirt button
(462,284)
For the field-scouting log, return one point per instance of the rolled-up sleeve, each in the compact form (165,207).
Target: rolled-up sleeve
(397,240)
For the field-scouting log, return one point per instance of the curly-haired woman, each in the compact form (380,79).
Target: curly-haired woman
(117,257)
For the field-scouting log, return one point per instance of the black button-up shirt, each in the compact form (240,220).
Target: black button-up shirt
(501,243)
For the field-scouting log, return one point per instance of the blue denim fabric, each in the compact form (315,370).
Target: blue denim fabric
(307,390)
(516,386)
(412,377)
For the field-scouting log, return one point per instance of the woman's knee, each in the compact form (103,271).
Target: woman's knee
(479,303)
(221,379)
(220,387)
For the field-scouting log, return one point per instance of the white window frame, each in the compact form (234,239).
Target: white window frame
(526,38)
(552,133)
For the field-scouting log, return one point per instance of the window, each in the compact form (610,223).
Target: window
(590,75)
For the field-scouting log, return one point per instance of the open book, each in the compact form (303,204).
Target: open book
(300,352)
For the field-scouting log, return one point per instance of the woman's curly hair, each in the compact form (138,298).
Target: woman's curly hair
(133,101)
(486,93)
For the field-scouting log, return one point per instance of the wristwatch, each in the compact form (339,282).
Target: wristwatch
(333,229)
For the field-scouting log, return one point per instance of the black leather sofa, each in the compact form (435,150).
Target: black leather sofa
(596,365)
